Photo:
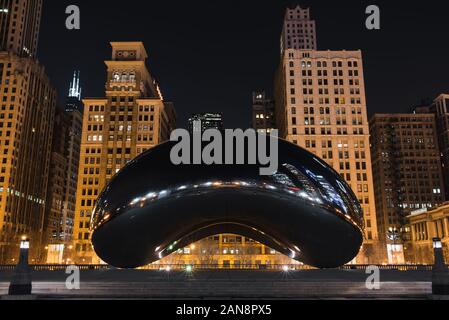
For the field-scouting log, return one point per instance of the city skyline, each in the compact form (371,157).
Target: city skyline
(319,103)
(174,37)
(223,150)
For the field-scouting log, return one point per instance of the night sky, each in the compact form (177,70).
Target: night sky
(211,55)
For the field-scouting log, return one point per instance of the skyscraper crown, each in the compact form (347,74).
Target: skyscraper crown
(75,89)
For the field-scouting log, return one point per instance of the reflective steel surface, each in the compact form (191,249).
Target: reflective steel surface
(153,208)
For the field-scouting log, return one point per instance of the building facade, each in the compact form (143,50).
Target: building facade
(74,112)
(440,107)
(299,30)
(132,118)
(63,178)
(321,106)
(205,121)
(424,225)
(28,103)
(263,113)
(57,180)
(19,26)
(407,172)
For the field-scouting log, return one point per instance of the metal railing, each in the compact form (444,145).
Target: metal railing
(206,267)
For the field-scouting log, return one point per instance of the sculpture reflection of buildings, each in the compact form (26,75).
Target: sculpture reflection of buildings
(228,251)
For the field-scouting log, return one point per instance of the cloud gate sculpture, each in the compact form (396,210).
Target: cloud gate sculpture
(153,208)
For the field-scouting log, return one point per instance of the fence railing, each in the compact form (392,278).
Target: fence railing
(205,267)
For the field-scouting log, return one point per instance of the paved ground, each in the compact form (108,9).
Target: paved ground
(316,284)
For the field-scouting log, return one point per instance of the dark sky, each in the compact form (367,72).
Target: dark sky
(210,55)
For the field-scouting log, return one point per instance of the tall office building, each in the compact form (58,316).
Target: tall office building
(407,173)
(73,101)
(132,118)
(204,121)
(63,178)
(19,26)
(53,233)
(263,113)
(299,30)
(28,103)
(74,113)
(321,106)
(440,107)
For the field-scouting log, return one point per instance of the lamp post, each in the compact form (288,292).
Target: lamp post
(440,272)
(21,282)
(394,236)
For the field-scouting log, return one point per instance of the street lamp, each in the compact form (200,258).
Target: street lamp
(437,244)
(440,264)
(21,282)
(440,272)
(24,244)
(393,235)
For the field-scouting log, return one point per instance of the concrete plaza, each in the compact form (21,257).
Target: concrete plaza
(311,284)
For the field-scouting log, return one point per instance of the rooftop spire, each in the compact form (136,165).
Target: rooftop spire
(75,90)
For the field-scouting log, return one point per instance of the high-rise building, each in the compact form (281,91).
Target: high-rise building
(53,233)
(263,113)
(73,101)
(74,113)
(407,173)
(132,118)
(63,178)
(440,107)
(299,30)
(205,121)
(321,106)
(27,102)
(19,26)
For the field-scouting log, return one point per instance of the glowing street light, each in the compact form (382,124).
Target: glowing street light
(440,272)
(24,243)
(437,244)
(21,282)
